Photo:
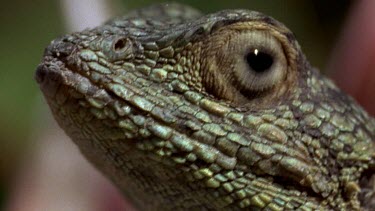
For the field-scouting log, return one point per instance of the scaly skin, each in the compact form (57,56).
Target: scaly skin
(166,103)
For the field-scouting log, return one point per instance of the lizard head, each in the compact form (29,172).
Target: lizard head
(223,106)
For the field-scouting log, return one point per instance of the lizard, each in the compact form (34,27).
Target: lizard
(185,111)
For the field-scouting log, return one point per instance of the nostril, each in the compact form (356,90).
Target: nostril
(40,73)
(50,75)
(367,189)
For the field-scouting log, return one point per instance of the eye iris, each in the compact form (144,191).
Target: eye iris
(259,61)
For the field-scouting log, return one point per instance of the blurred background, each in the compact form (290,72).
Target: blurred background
(27,27)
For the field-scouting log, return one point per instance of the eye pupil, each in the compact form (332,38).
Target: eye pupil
(259,61)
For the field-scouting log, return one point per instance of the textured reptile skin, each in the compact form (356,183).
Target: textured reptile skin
(164,102)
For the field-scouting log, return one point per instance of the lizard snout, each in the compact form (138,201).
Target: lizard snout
(59,48)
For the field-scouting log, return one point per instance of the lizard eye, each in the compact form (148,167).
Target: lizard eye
(259,62)
(246,64)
